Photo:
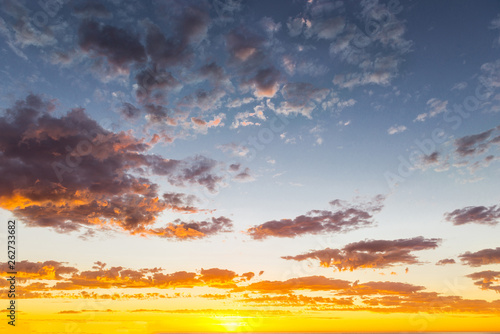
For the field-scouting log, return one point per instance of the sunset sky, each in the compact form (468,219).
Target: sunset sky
(251,166)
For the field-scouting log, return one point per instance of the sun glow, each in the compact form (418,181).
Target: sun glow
(232,323)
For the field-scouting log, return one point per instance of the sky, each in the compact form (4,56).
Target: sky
(251,166)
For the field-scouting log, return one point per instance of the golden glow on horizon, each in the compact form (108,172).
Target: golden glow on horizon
(232,323)
(159,322)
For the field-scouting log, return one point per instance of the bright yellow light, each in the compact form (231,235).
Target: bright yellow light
(232,323)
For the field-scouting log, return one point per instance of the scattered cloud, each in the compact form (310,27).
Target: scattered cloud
(476,144)
(192,230)
(348,216)
(486,280)
(475,214)
(370,254)
(444,262)
(234,149)
(482,257)
(396,129)
(435,107)
(312,283)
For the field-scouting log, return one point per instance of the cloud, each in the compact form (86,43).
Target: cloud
(381,288)
(119,47)
(435,106)
(47,270)
(475,214)
(482,257)
(237,102)
(327,28)
(380,71)
(430,159)
(468,154)
(254,68)
(244,176)
(69,278)
(348,217)
(459,86)
(265,82)
(234,149)
(445,262)
(153,84)
(23,27)
(362,48)
(129,111)
(202,126)
(297,300)
(396,129)
(476,144)
(247,118)
(301,98)
(66,173)
(312,283)
(220,278)
(486,279)
(370,253)
(190,22)
(192,230)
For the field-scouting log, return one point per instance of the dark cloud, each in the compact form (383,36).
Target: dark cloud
(348,217)
(181,202)
(154,84)
(213,73)
(476,144)
(190,23)
(474,214)
(370,253)
(445,262)
(243,44)
(159,114)
(487,279)
(482,257)
(254,67)
(202,100)
(119,47)
(129,111)
(69,172)
(265,81)
(198,170)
